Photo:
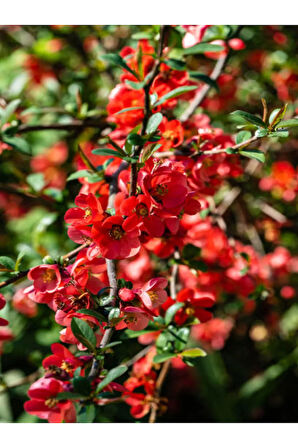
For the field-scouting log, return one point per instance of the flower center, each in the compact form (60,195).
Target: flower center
(88,212)
(169,135)
(116,232)
(159,191)
(142,209)
(189,311)
(51,402)
(153,296)
(66,366)
(48,275)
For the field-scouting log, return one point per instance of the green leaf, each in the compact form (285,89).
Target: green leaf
(134,85)
(193,353)
(279,134)
(176,64)
(142,35)
(203,48)
(82,385)
(84,333)
(293,122)
(150,151)
(111,376)
(135,334)
(87,414)
(170,313)
(153,123)
(7,263)
(78,174)
(250,118)
(69,396)
(242,136)
(163,357)
(190,251)
(253,154)
(261,132)
(174,93)
(36,181)
(108,152)
(8,111)
(128,109)
(117,60)
(204,78)
(18,143)
(100,317)
(135,139)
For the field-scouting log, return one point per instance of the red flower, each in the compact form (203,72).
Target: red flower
(122,97)
(61,358)
(23,304)
(172,134)
(45,405)
(88,212)
(3,322)
(114,241)
(194,34)
(139,212)
(46,277)
(153,293)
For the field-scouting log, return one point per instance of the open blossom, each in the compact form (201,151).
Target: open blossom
(61,358)
(44,403)
(88,211)
(23,304)
(215,332)
(153,293)
(114,241)
(46,277)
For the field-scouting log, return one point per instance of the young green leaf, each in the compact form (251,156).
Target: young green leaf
(8,111)
(253,154)
(108,152)
(111,376)
(153,123)
(36,181)
(84,333)
(134,85)
(193,352)
(17,143)
(174,93)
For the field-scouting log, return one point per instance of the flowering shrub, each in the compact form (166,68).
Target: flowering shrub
(158,224)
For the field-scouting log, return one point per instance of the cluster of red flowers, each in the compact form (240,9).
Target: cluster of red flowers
(5,332)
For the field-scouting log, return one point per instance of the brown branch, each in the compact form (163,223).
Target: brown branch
(159,383)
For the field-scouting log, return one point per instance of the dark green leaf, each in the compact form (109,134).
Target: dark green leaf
(253,154)
(163,357)
(174,93)
(204,78)
(190,251)
(153,123)
(69,396)
(100,317)
(117,60)
(7,263)
(111,376)
(84,333)
(82,385)
(170,313)
(87,414)
(128,109)
(108,152)
(135,139)
(203,48)
(249,118)
(278,133)
(176,64)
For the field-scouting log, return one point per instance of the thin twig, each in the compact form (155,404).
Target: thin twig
(159,383)
(72,126)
